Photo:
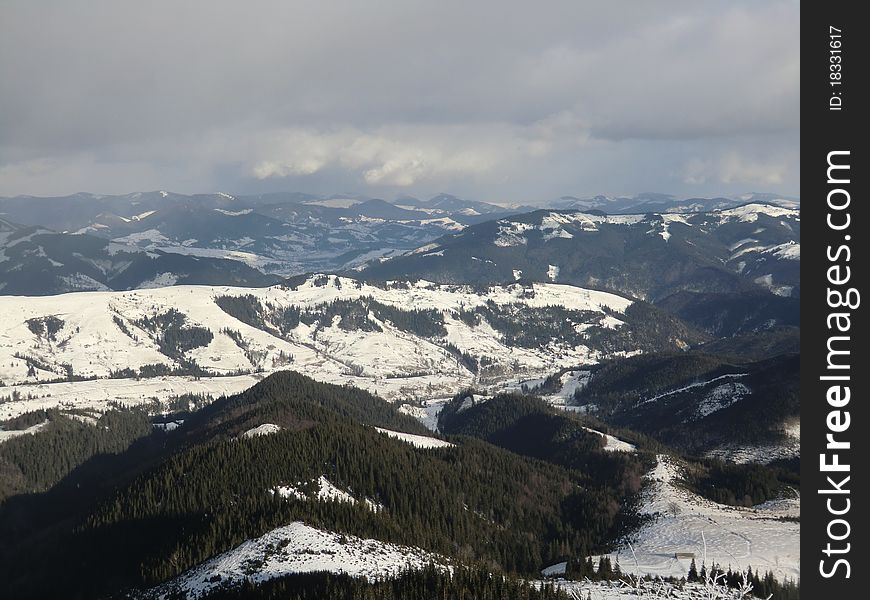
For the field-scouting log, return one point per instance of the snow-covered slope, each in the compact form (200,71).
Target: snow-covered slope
(298,548)
(8,435)
(46,340)
(611,443)
(765,537)
(419,441)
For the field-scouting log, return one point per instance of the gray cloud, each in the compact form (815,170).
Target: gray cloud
(496,100)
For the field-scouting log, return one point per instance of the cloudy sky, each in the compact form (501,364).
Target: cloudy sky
(493,100)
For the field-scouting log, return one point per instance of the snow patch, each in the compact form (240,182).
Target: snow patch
(766,281)
(749,213)
(264,429)
(13,433)
(788,251)
(418,441)
(691,386)
(235,213)
(552,272)
(613,444)
(326,492)
(553,570)
(159,281)
(721,396)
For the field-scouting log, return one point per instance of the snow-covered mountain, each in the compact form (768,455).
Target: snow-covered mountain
(276,233)
(411,339)
(37,261)
(727,271)
(666,203)
(292,233)
(753,246)
(305,549)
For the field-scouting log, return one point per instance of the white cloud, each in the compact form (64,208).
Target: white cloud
(401,156)
(736,168)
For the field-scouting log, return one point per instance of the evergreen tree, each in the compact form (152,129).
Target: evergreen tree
(693,573)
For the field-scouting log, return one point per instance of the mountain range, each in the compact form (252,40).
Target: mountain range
(299,396)
(275,234)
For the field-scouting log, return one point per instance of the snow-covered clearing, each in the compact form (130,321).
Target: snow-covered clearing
(613,444)
(765,537)
(264,429)
(97,395)
(630,588)
(427,413)
(570,381)
(418,441)
(326,491)
(766,281)
(8,435)
(721,396)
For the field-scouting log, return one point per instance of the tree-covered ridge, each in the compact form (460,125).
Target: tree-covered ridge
(696,401)
(620,384)
(753,347)
(208,490)
(738,485)
(641,327)
(31,464)
(291,397)
(649,256)
(530,427)
(352,315)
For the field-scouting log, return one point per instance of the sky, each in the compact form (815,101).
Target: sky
(502,101)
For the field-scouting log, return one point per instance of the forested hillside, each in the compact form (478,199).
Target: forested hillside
(696,401)
(206,488)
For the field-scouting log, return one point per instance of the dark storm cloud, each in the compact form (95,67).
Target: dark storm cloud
(510,100)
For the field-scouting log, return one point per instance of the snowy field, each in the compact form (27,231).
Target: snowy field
(683,522)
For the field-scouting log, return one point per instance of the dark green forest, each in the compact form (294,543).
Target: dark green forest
(31,463)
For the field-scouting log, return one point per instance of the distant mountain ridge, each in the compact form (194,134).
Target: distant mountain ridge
(752,247)
(36,261)
(281,233)
(666,203)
